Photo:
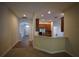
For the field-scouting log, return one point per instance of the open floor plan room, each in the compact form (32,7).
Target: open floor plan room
(39,29)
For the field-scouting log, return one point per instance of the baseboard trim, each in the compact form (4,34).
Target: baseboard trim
(69,53)
(53,52)
(9,49)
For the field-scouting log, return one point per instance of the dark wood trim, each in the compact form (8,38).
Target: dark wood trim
(37,24)
(62,24)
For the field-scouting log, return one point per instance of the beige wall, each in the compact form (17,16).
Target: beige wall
(8,29)
(72,30)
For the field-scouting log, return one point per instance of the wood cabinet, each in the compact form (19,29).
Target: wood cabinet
(37,24)
(62,24)
(47,27)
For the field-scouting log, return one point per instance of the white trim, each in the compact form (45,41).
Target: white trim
(69,53)
(53,52)
(5,52)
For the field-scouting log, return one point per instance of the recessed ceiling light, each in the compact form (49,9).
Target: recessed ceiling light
(24,15)
(49,12)
(62,14)
(42,15)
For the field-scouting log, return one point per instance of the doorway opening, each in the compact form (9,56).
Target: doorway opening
(25,33)
(24,30)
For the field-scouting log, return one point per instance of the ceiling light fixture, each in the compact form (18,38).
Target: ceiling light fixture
(62,14)
(42,15)
(24,15)
(49,12)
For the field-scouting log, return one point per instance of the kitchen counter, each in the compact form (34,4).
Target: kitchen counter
(49,44)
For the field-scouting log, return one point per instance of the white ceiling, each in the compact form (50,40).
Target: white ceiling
(38,8)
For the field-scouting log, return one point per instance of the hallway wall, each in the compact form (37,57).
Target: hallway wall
(71,25)
(8,29)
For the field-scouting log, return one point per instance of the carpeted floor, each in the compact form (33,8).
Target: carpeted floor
(22,51)
(30,52)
